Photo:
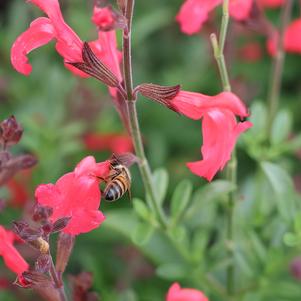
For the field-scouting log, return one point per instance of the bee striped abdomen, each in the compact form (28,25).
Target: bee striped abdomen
(115,189)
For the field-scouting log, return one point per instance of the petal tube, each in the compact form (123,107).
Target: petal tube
(220,132)
(195,105)
(40,32)
(194,13)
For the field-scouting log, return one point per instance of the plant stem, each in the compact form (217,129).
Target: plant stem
(58,283)
(277,66)
(231,172)
(133,119)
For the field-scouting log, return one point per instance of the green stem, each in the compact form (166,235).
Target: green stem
(231,172)
(277,67)
(133,119)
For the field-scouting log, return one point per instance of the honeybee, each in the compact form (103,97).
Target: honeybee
(119,180)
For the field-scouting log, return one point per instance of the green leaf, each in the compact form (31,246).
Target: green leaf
(282,186)
(172,271)
(142,234)
(160,180)
(180,200)
(141,209)
(199,243)
(258,118)
(202,210)
(281,127)
(258,246)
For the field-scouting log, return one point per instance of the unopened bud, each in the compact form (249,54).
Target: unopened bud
(40,283)
(41,213)
(65,245)
(43,263)
(27,161)
(10,131)
(22,229)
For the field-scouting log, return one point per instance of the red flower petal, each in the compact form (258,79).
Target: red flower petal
(195,105)
(176,293)
(84,221)
(194,13)
(38,34)
(12,258)
(240,9)
(292,37)
(220,132)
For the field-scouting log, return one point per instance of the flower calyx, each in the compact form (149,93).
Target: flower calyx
(161,94)
(93,66)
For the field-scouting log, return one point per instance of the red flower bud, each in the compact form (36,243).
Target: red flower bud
(10,131)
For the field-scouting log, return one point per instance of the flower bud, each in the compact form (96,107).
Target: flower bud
(41,213)
(65,245)
(43,263)
(39,282)
(10,131)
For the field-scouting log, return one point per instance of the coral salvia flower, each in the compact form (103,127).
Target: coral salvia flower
(116,143)
(12,258)
(76,195)
(251,52)
(176,293)
(292,39)
(194,13)
(219,126)
(68,44)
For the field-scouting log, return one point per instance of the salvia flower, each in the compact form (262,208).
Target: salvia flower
(194,13)
(219,125)
(176,293)
(292,39)
(76,195)
(12,258)
(68,44)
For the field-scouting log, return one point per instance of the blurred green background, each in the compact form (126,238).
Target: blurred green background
(56,109)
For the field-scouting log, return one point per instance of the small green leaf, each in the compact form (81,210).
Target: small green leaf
(141,209)
(180,200)
(258,246)
(282,186)
(291,240)
(258,118)
(281,127)
(160,180)
(142,234)
(172,271)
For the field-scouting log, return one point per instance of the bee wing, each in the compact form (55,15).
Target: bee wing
(126,159)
